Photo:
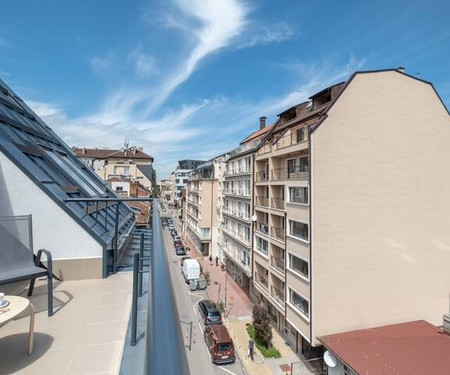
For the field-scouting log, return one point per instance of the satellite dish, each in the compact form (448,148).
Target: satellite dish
(329,359)
(254,218)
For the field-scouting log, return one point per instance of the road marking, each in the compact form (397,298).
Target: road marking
(200,327)
(195,303)
(224,369)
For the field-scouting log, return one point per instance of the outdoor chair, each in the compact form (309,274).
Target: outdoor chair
(17,261)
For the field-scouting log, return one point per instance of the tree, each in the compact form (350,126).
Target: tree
(263,330)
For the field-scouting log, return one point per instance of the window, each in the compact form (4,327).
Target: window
(298,194)
(119,188)
(177,181)
(261,245)
(299,302)
(299,265)
(291,166)
(301,135)
(299,230)
(126,171)
(304,164)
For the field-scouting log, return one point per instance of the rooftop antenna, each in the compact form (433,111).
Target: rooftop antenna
(126,143)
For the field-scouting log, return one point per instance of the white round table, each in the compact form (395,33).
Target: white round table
(16,306)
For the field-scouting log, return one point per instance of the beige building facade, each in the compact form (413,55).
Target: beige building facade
(352,206)
(201,218)
(132,163)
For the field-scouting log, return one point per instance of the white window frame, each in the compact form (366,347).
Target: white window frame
(288,228)
(288,194)
(295,271)
(302,314)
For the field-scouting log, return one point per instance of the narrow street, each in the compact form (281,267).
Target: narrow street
(198,357)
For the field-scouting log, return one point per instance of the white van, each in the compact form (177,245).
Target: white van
(191,269)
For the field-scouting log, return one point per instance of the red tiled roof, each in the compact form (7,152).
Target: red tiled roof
(257,133)
(104,154)
(413,348)
(117,179)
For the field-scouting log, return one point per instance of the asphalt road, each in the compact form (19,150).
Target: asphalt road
(198,357)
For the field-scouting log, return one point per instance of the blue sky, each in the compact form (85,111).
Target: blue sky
(190,78)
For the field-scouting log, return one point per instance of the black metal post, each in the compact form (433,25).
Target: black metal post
(116,238)
(141,264)
(135,300)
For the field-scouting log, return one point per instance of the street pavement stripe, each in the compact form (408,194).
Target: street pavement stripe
(224,369)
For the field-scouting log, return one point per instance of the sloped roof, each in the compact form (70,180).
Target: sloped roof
(147,170)
(39,153)
(412,348)
(131,153)
(258,133)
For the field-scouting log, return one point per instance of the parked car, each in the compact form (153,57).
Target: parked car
(171,227)
(209,312)
(174,233)
(177,243)
(191,269)
(180,250)
(220,344)
(182,259)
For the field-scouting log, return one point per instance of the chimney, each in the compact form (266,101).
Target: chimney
(446,318)
(262,122)
(84,150)
(400,69)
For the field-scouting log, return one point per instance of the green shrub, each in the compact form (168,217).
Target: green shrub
(221,306)
(207,276)
(268,352)
(263,330)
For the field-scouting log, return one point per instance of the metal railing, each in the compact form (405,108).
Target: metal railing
(261,176)
(277,295)
(277,233)
(262,227)
(278,203)
(314,366)
(277,263)
(295,173)
(290,139)
(262,201)
(262,281)
(163,335)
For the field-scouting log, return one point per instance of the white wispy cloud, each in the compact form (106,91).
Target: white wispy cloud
(144,64)
(275,33)
(219,22)
(103,63)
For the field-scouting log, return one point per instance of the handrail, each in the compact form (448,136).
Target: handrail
(164,336)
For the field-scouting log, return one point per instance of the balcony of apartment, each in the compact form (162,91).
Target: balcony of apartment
(194,214)
(194,202)
(237,214)
(262,201)
(264,151)
(238,171)
(277,261)
(261,176)
(262,228)
(298,172)
(277,294)
(292,141)
(234,254)
(277,233)
(262,281)
(277,203)
(235,235)
(242,193)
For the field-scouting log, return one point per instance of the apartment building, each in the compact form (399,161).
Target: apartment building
(201,207)
(180,176)
(131,162)
(236,222)
(352,209)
